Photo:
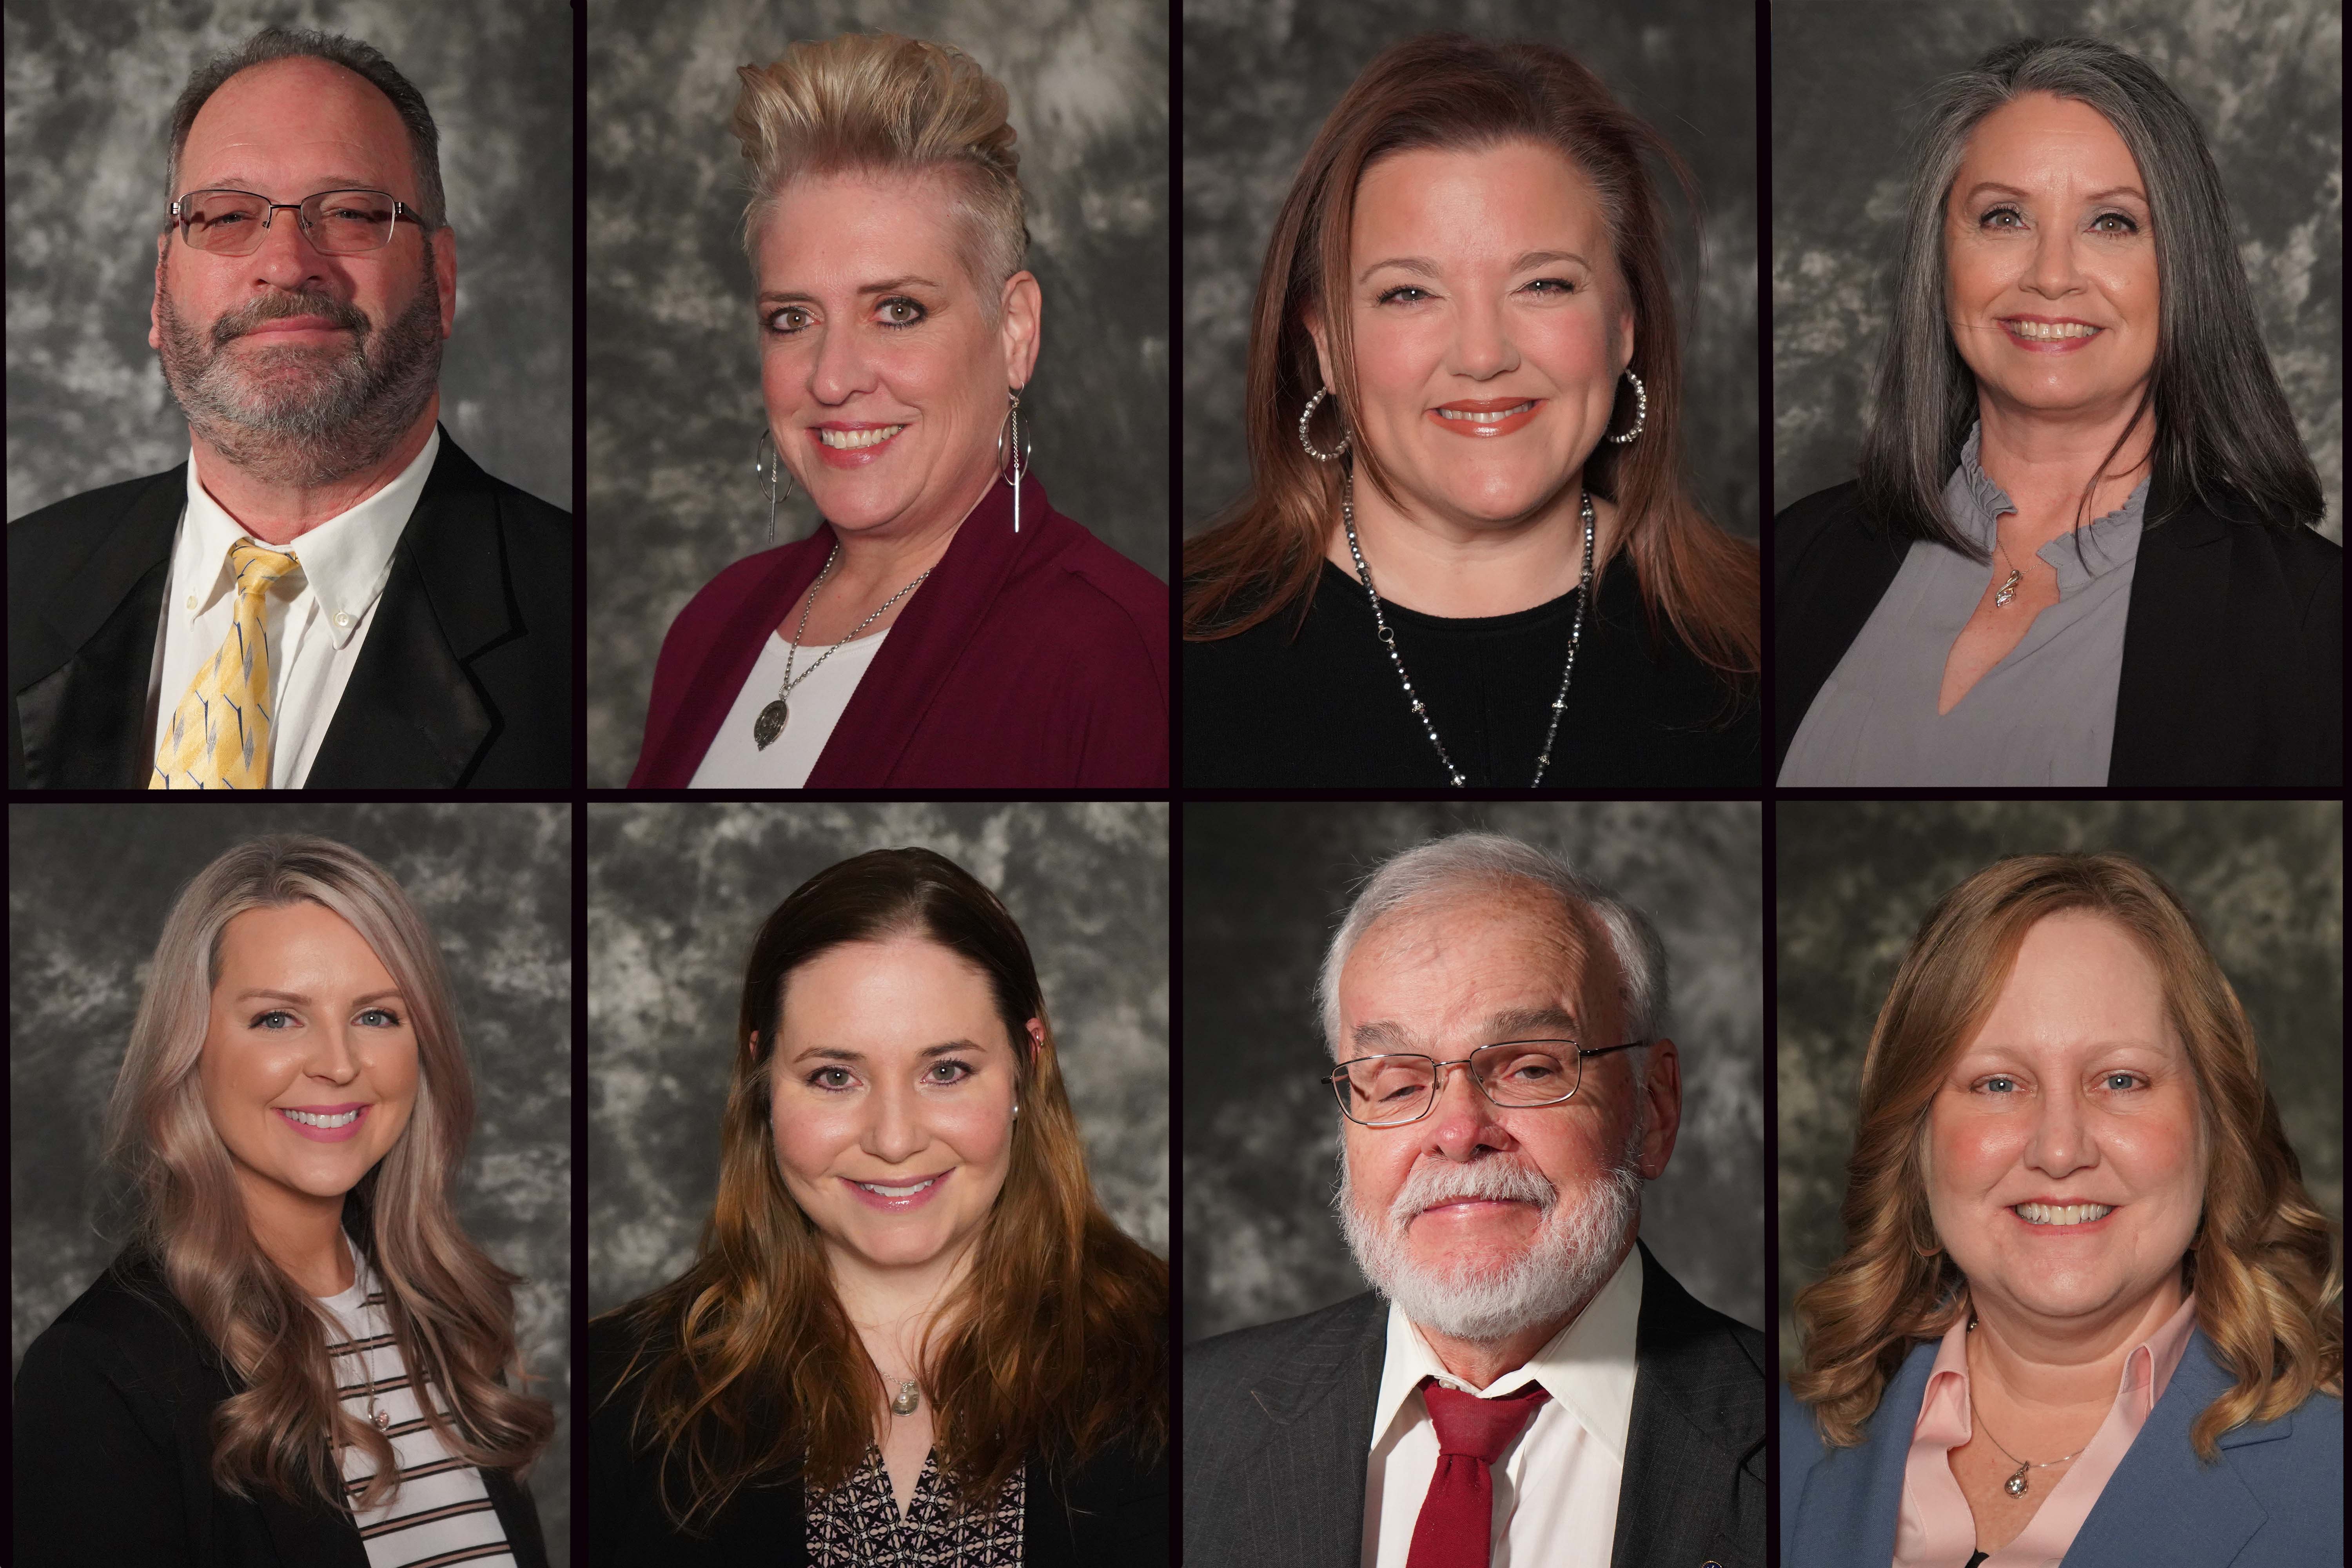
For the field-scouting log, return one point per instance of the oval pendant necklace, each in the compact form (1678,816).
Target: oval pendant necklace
(904,1403)
(770,722)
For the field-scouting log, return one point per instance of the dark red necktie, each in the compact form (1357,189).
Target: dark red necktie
(1457,1517)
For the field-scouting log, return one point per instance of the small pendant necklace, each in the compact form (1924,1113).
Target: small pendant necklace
(771,722)
(2008,589)
(1388,638)
(2016,1484)
(903,1404)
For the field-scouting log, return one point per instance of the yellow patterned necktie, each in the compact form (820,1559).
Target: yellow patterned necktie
(218,737)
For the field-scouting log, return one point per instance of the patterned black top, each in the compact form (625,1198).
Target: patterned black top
(858,1524)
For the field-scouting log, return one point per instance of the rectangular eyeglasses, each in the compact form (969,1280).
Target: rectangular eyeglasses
(1398,1087)
(339,223)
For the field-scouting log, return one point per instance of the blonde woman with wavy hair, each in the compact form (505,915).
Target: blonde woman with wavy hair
(911,1335)
(300,1356)
(2086,1308)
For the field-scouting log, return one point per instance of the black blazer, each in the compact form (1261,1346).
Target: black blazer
(465,680)
(114,1408)
(1278,1430)
(2233,646)
(1111,1510)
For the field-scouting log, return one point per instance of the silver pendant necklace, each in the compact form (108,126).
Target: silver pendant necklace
(2016,1484)
(904,1403)
(2008,589)
(771,722)
(1388,638)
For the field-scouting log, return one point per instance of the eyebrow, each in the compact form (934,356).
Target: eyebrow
(887,285)
(245,184)
(298,996)
(1424,266)
(1513,1024)
(1983,186)
(834,1054)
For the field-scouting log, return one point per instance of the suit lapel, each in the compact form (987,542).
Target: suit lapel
(2174,721)
(83,718)
(411,717)
(2162,1503)
(1688,1394)
(1302,1481)
(1848,1510)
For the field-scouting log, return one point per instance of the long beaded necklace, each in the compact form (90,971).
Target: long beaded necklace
(1388,638)
(770,722)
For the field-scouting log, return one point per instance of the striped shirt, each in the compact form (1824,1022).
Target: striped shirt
(441,1514)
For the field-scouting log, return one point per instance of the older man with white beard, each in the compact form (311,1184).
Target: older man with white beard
(1526,1385)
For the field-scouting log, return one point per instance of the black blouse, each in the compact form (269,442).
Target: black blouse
(1261,709)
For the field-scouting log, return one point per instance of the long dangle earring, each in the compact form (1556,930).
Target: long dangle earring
(1012,436)
(769,463)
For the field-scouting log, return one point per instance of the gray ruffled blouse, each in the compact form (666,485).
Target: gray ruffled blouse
(2044,716)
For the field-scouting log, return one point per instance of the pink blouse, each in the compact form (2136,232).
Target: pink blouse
(1936,1530)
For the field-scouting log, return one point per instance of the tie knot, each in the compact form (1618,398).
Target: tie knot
(1479,1428)
(257,566)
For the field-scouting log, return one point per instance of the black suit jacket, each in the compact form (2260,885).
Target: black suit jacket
(113,1415)
(2233,646)
(1112,1510)
(465,680)
(1278,1430)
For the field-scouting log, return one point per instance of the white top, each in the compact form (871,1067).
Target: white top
(442,1513)
(735,760)
(314,620)
(1555,1486)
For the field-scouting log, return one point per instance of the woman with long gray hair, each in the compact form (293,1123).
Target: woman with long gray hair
(300,1356)
(2082,550)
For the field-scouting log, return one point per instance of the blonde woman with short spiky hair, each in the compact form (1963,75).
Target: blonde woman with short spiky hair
(300,1357)
(944,626)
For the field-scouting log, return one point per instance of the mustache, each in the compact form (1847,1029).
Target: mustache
(280,304)
(1493,1178)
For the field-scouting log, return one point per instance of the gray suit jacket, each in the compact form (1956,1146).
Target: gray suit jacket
(1278,1429)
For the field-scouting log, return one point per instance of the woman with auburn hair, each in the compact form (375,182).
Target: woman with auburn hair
(1465,297)
(300,1356)
(2083,548)
(944,624)
(912,1335)
(2086,1308)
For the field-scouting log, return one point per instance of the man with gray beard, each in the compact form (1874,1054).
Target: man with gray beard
(1524,1385)
(329,592)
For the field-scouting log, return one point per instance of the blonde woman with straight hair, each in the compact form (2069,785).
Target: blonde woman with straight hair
(944,624)
(300,1357)
(2086,1307)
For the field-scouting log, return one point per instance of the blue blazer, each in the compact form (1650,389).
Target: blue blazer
(2275,1498)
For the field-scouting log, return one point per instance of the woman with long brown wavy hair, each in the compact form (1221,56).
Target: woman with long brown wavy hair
(911,1335)
(2086,1308)
(300,1356)
(1463,404)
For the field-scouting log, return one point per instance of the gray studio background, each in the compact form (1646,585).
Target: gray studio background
(1265,886)
(675,893)
(2265,879)
(89,887)
(674,409)
(90,89)
(2265,78)
(1259,81)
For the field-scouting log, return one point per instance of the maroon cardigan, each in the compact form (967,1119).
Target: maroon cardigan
(1036,661)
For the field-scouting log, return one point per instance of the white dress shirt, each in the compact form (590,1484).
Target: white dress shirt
(735,760)
(314,621)
(1556,1486)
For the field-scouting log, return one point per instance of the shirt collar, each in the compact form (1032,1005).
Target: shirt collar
(1975,503)
(346,559)
(2148,1365)
(1586,1367)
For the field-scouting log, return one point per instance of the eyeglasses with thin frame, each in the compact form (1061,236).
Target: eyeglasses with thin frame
(338,222)
(1398,1087)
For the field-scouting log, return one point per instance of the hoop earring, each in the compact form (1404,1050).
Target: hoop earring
(1641,408)
(1307,412)
(768,463)
(1022,448)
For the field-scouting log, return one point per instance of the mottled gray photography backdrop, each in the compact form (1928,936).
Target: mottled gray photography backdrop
(2265,78)
(88,889)
(1259,79)
(90,89)
(676,894)
(674,409)
(1265,889)
(2265,878)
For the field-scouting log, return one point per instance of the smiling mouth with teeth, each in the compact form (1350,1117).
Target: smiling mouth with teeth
(2061,1213)
(309,1120)
(851,440)
(879,1190)
(1467,418)
(2051,332)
